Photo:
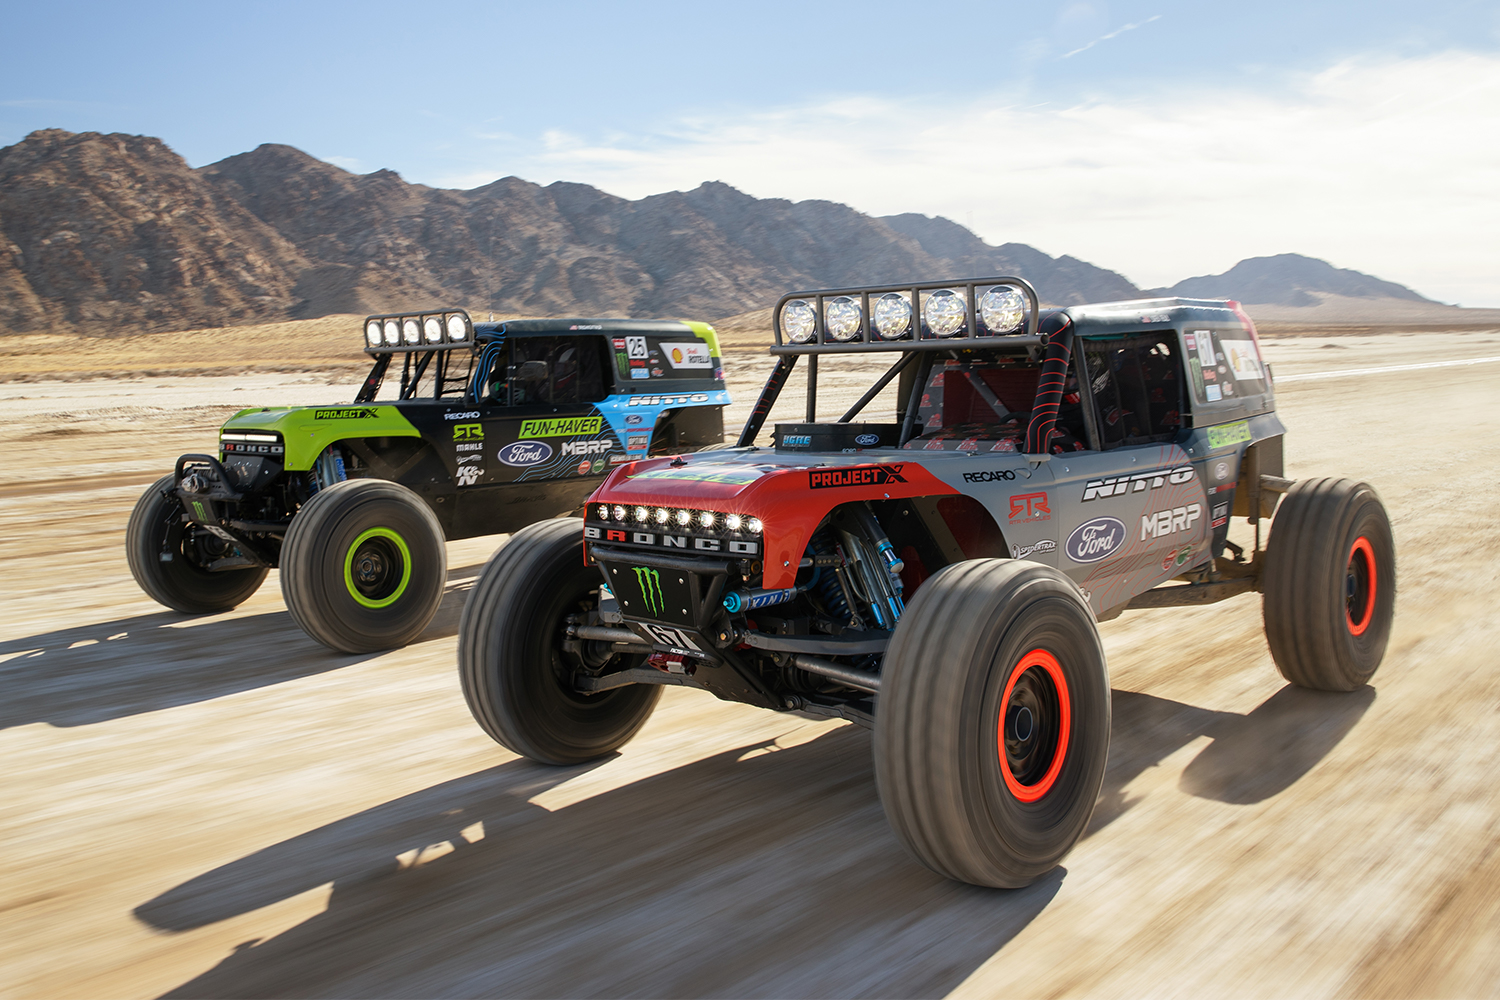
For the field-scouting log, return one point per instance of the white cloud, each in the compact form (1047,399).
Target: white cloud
(1384,165)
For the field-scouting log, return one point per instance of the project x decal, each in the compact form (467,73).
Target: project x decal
(866,475)
(350,413)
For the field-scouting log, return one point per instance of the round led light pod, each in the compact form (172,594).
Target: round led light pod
(755,526)
(682,517)
(432,330)
(798,321)
(619,512)
(603,513)
(457,331)
(733,522)
(662,515)
(392,331)
(410,332)
(841,318)
(1001,309)
(892,315)
(642,514)
(706,519)
(944,313)
(372,333)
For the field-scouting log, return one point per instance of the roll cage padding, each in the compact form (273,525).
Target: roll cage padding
(1050,385)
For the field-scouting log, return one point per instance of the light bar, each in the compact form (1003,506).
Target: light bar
(429,330)
(939,315)
(704,520)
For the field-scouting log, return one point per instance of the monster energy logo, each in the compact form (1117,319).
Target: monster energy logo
(202,514)
(650,584)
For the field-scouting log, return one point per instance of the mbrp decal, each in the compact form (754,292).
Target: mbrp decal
(860,475)
(355,413)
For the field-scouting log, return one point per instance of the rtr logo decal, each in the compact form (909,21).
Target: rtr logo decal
(468,432)
(1029,507)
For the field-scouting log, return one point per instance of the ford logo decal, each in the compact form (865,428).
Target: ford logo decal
(1096,539)
(525,453)
(865,440)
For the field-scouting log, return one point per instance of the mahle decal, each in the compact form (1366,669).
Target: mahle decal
(560,427)
(468,432)
(650,583)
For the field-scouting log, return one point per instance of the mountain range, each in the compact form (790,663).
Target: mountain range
(117,233)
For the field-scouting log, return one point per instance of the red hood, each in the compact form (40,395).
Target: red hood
(790,494)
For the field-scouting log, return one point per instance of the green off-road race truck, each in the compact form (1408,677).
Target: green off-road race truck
(494,426)
(938,575)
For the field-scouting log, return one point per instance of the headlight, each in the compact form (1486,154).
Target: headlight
(372,333)
(432,330)
(456,330)
(944,312)
(619,512)
(410,332)
(841,319)
(604,513)
(755,526)
(799,321)
(892,315)
(392,333)
(1001,308)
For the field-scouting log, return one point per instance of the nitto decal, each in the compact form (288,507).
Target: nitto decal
(1098,489)
(650,584)
(1225,435)
(693,397)
(468,432)
(1170,522)
(598,446)
(560,427)
(1030,507)
(524,453)
(358,413)
(996,476)
(1094,540)
(868,475)
(464,415)
(1022,551)
(866,440)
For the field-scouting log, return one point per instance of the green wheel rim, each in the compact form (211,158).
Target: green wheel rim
(393,596)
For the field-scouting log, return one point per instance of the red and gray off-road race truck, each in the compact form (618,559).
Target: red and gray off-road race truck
(939,577)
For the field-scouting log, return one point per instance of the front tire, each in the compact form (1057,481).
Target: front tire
(510,661)
(993,722)
(155,530)
(363,566)
(1330,584)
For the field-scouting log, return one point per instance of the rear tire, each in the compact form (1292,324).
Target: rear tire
(181,584)
(993,722)
(509,661)
(363,566)
(1330,584)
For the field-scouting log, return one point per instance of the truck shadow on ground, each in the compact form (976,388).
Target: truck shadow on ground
(109,670)
(748,873)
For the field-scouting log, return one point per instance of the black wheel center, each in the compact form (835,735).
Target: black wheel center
(1021,723)
(1033,722)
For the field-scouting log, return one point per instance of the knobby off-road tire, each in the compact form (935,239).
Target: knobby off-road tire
(363,566)
(180,584)
(1330,584)
(510,660)
(993,722)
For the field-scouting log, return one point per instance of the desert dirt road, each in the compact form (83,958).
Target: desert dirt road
(220,807)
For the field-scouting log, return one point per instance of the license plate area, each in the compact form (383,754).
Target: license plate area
(668,590)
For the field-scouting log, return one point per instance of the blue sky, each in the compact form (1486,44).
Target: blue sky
(1160,139)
